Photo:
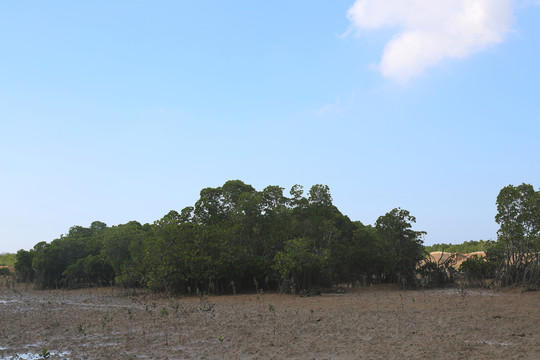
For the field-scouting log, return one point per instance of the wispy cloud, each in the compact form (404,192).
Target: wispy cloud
(331,108)
(429,31)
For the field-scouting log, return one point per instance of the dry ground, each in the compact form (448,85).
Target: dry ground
(379,322)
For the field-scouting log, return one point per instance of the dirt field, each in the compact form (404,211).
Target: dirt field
(378,322)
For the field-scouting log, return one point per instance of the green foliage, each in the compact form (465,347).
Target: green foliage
(435,274)
(518,214)
(7,259)
(402,247)
(92,269)
(234,238)
(45,354)
(464,248)
(475,269)
(116,242)
(23,265)
(4,271)
(360,258)
(478,269)
(61,263)
(301,263)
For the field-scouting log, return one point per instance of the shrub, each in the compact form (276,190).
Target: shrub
(435,274)
(477,269)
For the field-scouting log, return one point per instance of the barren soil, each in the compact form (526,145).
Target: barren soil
(379,322)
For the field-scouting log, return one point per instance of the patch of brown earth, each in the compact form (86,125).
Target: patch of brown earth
(377,322)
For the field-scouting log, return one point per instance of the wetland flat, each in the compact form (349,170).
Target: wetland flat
(379,322)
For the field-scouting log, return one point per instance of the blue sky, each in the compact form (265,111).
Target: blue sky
(124,110)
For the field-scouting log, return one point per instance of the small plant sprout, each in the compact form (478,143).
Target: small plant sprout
(80,329)
(164,312)
(272,309)
(205,304)
(220,338)
(45,354)
(175,305)
(105,320)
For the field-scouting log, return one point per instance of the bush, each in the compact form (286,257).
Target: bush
(435,274)
(477,269)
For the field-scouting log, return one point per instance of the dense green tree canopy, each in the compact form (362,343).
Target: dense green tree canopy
(463,248)
(234,237)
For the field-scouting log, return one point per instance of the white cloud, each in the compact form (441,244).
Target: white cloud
(429,31)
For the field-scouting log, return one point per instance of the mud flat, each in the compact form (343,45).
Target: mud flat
(377,322)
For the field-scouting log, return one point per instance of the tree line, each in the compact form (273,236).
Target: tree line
(7,259)
(463,248)
(234,238)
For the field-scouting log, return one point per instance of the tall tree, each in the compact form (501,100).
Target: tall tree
(518,214)
(23,265)
(403,247)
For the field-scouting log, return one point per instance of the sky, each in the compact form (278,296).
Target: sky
(124,110)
